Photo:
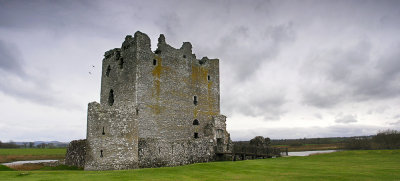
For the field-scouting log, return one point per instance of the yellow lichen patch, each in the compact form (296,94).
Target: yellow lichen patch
(156,109)
(210,100)
(199,74)
(157,74)
(158,68)
(195,112)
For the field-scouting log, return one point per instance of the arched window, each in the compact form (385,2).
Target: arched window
(196,135)
(196,122)
(111,98)
(101,153)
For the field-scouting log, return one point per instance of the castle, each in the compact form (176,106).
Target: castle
(156,109)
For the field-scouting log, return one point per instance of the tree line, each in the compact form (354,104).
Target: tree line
(12,144)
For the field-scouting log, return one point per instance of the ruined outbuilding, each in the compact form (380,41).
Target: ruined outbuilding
(156,109)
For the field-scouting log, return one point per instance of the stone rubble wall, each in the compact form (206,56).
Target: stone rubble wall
(112,139)
(161,153)
(75,155)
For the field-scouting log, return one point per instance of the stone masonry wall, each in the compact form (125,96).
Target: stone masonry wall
(112,139)
(75,155)
(161,153)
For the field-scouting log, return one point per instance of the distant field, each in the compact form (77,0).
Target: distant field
(345,165)
(312,147)
(8,155)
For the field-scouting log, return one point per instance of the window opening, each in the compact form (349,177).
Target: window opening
(103,133)
(101,153)
(154,62)
(196,135)
(121,63)
(208,77)
(184,56)
(108,71)
(111,98)
(196,122)
(137,111)
(195,100)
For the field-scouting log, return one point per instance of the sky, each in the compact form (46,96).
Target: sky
(288,69)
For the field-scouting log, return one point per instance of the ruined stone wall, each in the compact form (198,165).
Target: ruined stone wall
(75,155)
(160,153)
(167,83)
(112,139)
(119,76)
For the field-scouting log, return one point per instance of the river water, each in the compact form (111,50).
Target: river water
(308,153)
(28,161)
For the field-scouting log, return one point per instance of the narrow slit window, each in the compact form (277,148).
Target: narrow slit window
(103,133)
(196,135)
(121,63)
(208,77)
(196,122)
(111,98)
(154,62)
(108,71)
(137,111)
(195,100)
(184,56)
(101,153)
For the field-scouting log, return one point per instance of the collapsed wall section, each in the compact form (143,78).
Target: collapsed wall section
(112,138)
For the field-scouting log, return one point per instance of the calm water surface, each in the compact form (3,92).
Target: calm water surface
(308,153)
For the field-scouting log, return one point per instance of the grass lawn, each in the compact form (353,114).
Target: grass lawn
(9,155)
(346,165)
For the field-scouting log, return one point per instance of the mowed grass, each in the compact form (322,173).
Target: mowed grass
(9,155)
(345,165)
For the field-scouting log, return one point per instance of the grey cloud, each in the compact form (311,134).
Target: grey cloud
(317,115)
(9,62)
(353,75)
(397,123)
(16,82)
(255,102)
(246,49)
(321,99)
(346,119)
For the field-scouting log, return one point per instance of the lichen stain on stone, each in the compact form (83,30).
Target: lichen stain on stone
(199,74)
(156,109)
(210,100)
(157,76)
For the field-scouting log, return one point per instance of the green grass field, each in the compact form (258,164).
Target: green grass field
(346,165)
(9,155)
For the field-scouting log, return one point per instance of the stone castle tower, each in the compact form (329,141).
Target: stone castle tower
(156,109)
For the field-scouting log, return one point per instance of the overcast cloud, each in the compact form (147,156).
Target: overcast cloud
(289,69)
